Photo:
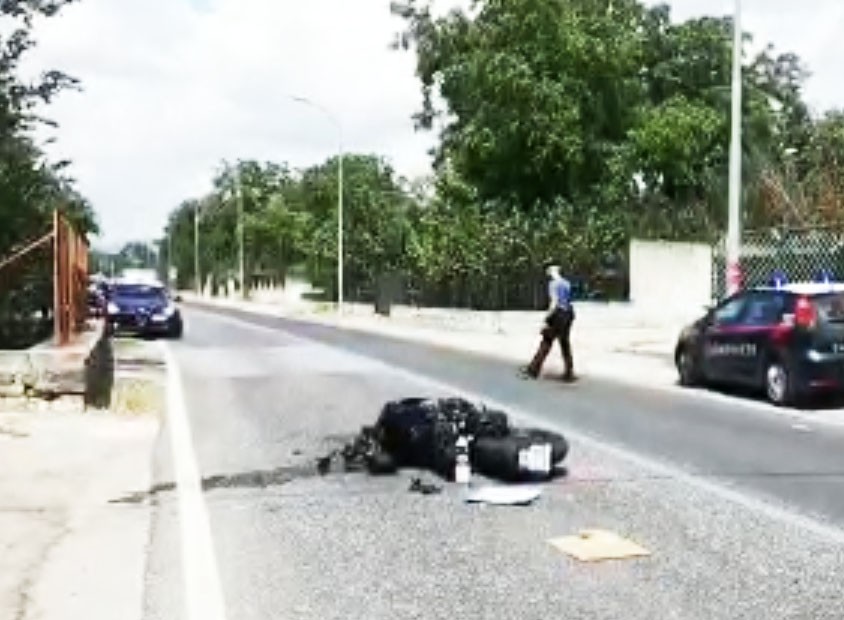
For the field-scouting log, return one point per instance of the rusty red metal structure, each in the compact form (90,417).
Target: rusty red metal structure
(69,258)
(70,279)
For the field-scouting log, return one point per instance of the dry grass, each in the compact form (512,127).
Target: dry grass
(139,382)
(138,396)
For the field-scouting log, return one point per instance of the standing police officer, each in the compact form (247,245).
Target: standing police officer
(558,324)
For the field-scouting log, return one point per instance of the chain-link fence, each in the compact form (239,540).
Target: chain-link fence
(798,255)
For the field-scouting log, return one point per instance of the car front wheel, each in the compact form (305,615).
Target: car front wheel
(687,368)
(176,331)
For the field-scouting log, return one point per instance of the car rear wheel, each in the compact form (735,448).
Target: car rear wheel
(687,368)
(779,384)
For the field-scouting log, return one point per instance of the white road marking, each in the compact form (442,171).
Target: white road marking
(804,428)
(203,590)
(786,516)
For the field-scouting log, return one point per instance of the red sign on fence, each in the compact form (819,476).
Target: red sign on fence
(734,278)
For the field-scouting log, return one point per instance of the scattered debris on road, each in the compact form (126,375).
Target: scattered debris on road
(431,434)
(424,488)
(597,545)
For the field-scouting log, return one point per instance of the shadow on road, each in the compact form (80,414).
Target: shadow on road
(820,402)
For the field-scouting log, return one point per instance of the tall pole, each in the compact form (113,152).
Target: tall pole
(241,250)
(734,216)
(340,249)
(196,274)
(340,225)
(57,280)
(169,258)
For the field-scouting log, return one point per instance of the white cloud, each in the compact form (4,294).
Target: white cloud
(171,87)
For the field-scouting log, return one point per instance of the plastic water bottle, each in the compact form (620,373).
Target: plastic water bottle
(462,468)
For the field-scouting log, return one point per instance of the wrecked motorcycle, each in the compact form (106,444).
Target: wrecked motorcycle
(423,433)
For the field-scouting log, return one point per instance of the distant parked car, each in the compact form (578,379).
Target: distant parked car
(143,309)
(96,300)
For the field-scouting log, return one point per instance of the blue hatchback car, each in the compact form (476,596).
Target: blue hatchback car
(143,309)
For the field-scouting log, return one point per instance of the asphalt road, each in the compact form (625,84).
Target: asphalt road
(265,397)
(760,452)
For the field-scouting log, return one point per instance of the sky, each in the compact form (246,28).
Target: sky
(171,88)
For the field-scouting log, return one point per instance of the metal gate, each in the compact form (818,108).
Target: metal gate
(67,253)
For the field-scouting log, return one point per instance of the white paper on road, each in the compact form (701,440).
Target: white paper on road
(517,495)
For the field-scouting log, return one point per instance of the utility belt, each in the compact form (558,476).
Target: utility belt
(557,322)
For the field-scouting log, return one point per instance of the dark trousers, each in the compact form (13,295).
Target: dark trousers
(557,327)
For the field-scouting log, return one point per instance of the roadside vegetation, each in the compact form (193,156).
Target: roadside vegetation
(31,184)
(564,129)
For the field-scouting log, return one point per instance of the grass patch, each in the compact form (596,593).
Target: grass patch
(323,308)
(138,396)
(139,378)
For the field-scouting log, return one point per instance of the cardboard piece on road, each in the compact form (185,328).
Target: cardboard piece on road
(516,495)
(597,545)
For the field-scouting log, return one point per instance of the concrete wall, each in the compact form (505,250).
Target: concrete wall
(291,293)
(670,279)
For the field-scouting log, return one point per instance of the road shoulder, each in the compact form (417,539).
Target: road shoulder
(70,551)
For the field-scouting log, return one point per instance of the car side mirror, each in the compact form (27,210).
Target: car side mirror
(177,298)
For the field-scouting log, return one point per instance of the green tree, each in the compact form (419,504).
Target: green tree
(606,108)
(376,208)
(30,186)
(538,94)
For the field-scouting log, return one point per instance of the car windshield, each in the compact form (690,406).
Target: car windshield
(139,292)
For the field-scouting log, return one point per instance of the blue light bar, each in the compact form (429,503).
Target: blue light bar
(825,276)
(779,279)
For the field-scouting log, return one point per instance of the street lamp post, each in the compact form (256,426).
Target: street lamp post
(169,267)
(734,214)
(340,250)
(241,249)
(196,273)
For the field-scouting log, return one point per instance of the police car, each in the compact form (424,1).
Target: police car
(786,340)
